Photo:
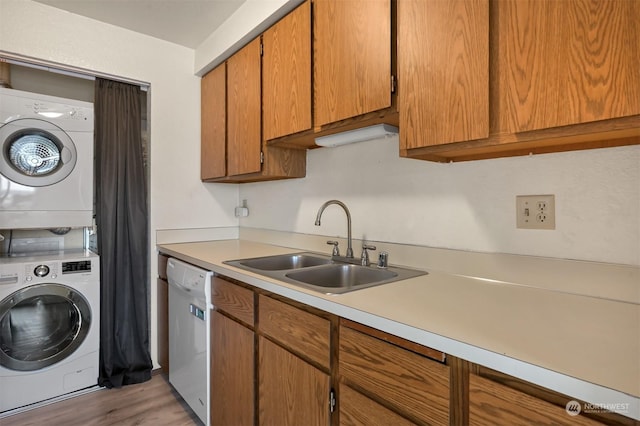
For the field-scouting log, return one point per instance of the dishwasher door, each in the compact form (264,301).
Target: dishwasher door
(189,339)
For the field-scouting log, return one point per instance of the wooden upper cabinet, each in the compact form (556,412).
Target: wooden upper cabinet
(244,136)
(443,71)
(352,58)
(213,161)
(567,62)
(286,75)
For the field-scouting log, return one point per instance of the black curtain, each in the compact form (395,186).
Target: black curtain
(121,218)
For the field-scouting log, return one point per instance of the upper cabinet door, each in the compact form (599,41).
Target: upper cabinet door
(352,58)
(567,62)
(244,138)
(286,75)
(443,71)
(213,124)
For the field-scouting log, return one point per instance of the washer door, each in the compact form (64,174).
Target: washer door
(36,152)
(41,325)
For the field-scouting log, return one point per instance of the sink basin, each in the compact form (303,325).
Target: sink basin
(321,273)
(341,276)
(285,262)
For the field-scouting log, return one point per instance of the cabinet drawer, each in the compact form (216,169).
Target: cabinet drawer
(232,299)
(408,382)
(298,330)
(493,404)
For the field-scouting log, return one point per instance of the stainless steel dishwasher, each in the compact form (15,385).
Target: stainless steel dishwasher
(190,334)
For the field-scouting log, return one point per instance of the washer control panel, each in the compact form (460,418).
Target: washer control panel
(41,270)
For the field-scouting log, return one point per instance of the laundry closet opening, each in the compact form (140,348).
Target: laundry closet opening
(50,81)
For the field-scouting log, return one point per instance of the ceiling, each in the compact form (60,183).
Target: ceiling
(184,22)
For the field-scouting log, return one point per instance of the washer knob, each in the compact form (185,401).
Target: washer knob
(41,271)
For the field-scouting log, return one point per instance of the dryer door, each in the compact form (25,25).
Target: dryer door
(41,325)
(35,152)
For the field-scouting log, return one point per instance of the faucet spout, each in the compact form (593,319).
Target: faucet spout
(346,210)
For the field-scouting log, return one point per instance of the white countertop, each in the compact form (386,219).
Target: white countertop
(584,346)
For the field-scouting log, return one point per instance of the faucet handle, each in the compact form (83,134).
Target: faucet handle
(336,250)
(364,259)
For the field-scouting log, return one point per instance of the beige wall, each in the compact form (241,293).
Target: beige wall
(465,206)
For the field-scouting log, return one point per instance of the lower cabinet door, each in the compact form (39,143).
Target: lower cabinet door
(492,404)
(358,410)
(291,391)
(232,372)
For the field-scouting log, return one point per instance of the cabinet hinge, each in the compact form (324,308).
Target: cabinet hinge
(332,401)
(394,83)
(261,157)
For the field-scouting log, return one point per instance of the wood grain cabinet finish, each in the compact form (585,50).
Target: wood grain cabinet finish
(162,309)
(443,71)
(244,109)
(286,75)
(213,109)
(292,392)
(568,62)
(493,404)
(232,146)
(301,332)
(410,384)
(351,58)
(232,372)
(234,300)
(357,409)
(561,76)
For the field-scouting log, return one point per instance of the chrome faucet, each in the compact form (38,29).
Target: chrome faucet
(346,210)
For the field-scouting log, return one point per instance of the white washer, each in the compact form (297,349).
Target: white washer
(49,327)
(46,161)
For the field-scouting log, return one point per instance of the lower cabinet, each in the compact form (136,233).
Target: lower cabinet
(493,404)
(411,385)
(291,391)
(232,372)
(294,367)
(357,409)
(162,309)
(232,355)
(278,362)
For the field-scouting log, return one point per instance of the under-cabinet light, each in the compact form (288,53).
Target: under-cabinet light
(357,135)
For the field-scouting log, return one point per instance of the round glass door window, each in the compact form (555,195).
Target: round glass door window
(41,325)
(36,152)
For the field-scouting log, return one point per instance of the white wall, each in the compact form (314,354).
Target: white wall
(466,206)
(178,198)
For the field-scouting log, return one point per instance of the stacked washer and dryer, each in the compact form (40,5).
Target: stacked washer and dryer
(49,302)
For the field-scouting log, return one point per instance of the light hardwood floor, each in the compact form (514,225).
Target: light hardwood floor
(150,403)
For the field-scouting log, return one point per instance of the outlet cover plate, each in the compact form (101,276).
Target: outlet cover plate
(535,212)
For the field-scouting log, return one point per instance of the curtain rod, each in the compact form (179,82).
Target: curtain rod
(58,68)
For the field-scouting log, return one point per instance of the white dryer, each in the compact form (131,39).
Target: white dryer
(49,327)
(46,161)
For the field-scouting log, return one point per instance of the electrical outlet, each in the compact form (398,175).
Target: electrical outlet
(535,211)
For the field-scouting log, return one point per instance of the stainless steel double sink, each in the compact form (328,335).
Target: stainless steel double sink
(321,273)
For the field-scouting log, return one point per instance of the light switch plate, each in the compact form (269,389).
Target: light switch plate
(536,211)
